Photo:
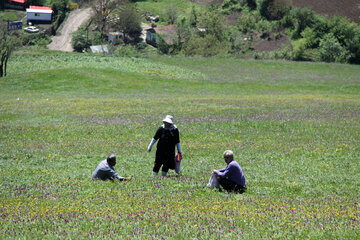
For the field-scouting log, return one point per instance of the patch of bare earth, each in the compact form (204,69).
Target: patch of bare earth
(62,41)
(270,42)
(347,8)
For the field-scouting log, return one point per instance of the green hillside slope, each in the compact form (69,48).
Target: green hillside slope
(294,129)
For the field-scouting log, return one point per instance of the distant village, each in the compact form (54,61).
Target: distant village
(42,17)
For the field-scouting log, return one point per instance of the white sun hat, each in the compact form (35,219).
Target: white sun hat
(169,119)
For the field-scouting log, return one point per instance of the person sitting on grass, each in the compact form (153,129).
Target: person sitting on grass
(231,178)
(105,170)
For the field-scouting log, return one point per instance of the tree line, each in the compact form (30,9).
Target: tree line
(204,31)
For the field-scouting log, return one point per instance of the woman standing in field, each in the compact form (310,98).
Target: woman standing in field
(168,136)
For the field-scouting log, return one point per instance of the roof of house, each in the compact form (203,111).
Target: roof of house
(168,32)
(39,7)
(18,1)
(169,29)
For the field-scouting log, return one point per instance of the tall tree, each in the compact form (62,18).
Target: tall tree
(127,20)
(8,42)
(103,10)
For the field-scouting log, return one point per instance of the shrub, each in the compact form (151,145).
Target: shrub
(96,38)
(237,40)
(247,21)
(80,40)
(171,14)
(212,22)
(299,47)
(163,47)
(274,9)
(127,51)
(310,38)
(332,51)
(348,35)
(312,54)
(205,46)
(59,7)
(35,39)
(298,20)
(229,6)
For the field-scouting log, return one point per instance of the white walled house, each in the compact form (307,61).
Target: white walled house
(39,14)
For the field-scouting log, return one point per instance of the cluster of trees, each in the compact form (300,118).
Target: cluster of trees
(109,15)
(313,37)
(203,32)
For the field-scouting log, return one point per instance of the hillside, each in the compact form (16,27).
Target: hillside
(347,8)
(293,126)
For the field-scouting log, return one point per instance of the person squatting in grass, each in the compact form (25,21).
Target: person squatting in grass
(231,178)
(168,136)
(105,170)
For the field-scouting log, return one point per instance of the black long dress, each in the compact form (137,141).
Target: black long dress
(165,152)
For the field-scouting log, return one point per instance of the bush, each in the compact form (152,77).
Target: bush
(298,20)
(35,39)
(80,40)
(299,47)
(205,46)
(213,23)
(348,35)
(332,51)
(60,9)
(163,47)
(127,51)
(312,54)
(95,38)
(247,22)
(310,38)
(274,9)
(229,6)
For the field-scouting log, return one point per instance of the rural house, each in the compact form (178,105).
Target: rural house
(39,14)
(114,37)
(167,32)
(16,4)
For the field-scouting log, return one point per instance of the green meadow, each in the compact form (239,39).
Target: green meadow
(294,128)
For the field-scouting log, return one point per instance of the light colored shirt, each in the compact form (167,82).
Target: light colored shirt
(233,172)
(104,171)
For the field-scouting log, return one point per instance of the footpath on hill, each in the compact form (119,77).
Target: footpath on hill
(62,41)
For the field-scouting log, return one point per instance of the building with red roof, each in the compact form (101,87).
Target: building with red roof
(39,14)
(16,4)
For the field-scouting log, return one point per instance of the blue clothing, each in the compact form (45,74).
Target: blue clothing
(104,171)
(233,172)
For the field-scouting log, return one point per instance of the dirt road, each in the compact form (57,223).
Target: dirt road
(62,41)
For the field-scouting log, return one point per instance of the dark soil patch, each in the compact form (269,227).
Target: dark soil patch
(270,42)
(347,8)
(232,18)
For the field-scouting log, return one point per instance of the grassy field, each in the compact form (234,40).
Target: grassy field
(294,129)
